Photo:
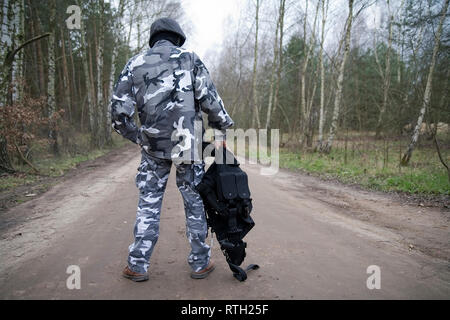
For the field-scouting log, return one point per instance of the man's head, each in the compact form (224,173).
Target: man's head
(168,29)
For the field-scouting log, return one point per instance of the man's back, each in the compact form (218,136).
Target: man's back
(170,86)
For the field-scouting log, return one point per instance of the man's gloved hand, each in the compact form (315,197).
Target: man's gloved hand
(220,139)
(220,143)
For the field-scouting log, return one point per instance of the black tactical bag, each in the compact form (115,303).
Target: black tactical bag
(226,197)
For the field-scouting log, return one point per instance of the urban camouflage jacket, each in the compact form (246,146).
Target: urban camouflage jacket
(170,87)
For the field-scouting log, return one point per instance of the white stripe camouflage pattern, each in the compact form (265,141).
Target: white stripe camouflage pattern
(170,87)
(151,181)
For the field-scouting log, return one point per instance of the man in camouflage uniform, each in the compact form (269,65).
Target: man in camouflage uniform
(170,87)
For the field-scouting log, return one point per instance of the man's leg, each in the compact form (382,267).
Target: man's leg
(188,177)
(151,181)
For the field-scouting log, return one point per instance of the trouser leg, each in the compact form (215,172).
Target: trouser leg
(188,177)
(151,181)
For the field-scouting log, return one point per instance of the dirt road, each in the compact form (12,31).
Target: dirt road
(312,239)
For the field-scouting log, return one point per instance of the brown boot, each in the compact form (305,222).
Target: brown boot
(203,273)
(137,277)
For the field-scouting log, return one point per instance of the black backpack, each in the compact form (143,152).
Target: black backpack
(226,197)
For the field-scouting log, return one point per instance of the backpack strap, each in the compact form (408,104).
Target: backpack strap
(240,273)
(232,222)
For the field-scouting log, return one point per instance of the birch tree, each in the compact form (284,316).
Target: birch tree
(255,75)
(304,107)
(273,71)
(280,51)
(19,33)
(66,79)
(322,73)
(8,43)
(5,47)
(340,81)
(117,26)
(386,75)
(87,80)
(51,84)
(427,94)
(99,58)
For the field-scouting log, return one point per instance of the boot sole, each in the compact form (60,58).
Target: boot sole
(202,275)
(136,278)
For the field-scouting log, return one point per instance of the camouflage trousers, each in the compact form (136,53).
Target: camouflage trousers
(151,180)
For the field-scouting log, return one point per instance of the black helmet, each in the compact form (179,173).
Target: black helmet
(166,25)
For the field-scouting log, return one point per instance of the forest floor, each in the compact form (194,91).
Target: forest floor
(312,239)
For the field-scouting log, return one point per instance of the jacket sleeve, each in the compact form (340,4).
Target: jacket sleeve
(123,106)
(209,100)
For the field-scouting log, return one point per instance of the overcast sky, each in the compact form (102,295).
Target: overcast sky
(207,18)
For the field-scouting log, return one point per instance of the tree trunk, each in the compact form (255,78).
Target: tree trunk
(87,80)
(305,110)
(255,65)
(7,45)
(386,76)
(309,133)
(40,59)
(66,79)
(51,84)
(133,14)
(340,81)
(17,88)
(272,74)
(280,51)
(100,99)
(3,10)
(5,161)
(116,29)
(427,95)
(322,74)
(401,41)
(35,58)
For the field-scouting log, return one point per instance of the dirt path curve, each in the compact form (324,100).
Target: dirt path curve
(313,239)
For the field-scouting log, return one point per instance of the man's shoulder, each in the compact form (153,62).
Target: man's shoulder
(173,52)
(179,52)
(137,60)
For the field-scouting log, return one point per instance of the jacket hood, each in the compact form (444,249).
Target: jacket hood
(166,25)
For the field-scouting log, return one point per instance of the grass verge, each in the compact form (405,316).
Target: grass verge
(374,165)
(431,179)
